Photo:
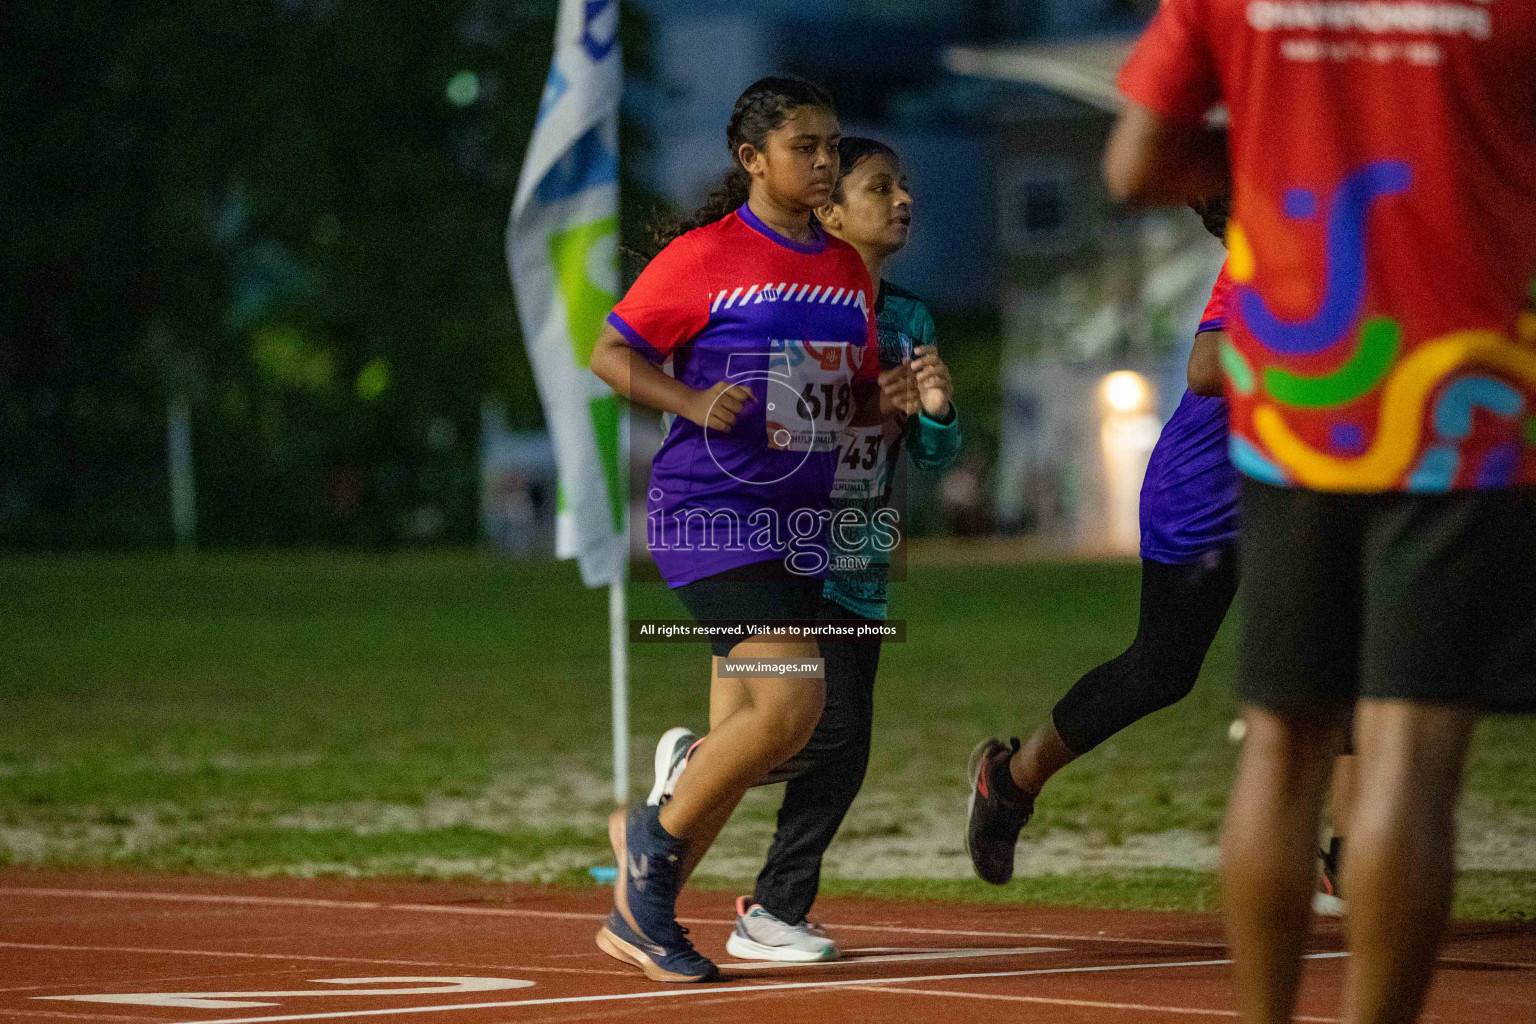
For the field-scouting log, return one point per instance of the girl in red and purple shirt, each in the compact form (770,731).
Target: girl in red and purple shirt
(769,325)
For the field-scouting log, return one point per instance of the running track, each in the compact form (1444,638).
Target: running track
(142,949)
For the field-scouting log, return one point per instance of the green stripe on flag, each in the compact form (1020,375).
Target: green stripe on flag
(605,428)
(586,304)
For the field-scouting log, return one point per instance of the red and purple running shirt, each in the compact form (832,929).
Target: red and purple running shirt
(1383,240)
(737,301)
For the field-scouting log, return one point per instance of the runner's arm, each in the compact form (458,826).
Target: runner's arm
(876,403)
(629,373)
(1153,160)
(933,443)
(1204,370)
(933,440)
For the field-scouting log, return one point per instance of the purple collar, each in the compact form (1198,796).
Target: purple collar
(814,247)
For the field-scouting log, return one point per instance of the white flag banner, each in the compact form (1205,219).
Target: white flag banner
(562,251)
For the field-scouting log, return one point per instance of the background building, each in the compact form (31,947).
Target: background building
(1000,111)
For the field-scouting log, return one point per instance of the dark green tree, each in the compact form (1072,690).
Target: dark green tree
(293,211)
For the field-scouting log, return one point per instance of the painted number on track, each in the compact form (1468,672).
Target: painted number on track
(236,1000)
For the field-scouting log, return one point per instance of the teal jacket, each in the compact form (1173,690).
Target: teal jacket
(859,576)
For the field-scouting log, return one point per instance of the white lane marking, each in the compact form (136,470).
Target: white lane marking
(1498,965)
(155,950)
(718,990)
(64,1015)
(567,915)
(867,955)
(965,933)
(238,1000)
(159,980)
(1048,936)
(904,956)
(186,897)
(1092,1004)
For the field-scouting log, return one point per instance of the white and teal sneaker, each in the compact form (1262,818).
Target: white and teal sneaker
(761,936)
(671,758)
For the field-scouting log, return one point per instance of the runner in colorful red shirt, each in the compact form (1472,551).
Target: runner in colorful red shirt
(769,326)
(1382,382)
(736,302)
(1384,192)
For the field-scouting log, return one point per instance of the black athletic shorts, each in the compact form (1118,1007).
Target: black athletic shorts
(759,592)
(1425,597)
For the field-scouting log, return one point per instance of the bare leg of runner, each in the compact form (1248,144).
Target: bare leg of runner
(1268,854)
(1402,838)
(772,721)
(1042,755)
(1343,793)
(727,695)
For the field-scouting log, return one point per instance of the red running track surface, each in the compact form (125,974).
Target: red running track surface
(154,949)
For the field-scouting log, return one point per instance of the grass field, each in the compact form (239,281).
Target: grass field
(447,715)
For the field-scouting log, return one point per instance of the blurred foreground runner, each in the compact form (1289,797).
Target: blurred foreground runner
(1381,378)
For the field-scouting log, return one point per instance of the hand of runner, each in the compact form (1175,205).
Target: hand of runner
(718,407)
(898,390)
(935,389)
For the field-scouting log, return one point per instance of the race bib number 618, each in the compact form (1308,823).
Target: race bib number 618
(821,377)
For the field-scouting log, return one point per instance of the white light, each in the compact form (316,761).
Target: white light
(1125,391)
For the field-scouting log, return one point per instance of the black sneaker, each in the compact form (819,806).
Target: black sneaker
(998,809)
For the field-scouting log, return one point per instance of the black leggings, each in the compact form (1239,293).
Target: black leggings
(1181,609)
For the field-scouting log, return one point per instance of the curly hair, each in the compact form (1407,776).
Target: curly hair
(762,108)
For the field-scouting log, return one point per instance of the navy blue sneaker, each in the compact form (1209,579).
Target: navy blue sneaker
(642,930)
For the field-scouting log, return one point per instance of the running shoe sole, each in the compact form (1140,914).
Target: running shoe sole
(743,948)
(634,956)
(665,748)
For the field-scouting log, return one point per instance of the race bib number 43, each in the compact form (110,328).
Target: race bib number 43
(812,397)
(860,463)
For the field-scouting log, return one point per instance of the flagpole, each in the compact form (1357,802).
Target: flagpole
(562,254)
(618,654)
